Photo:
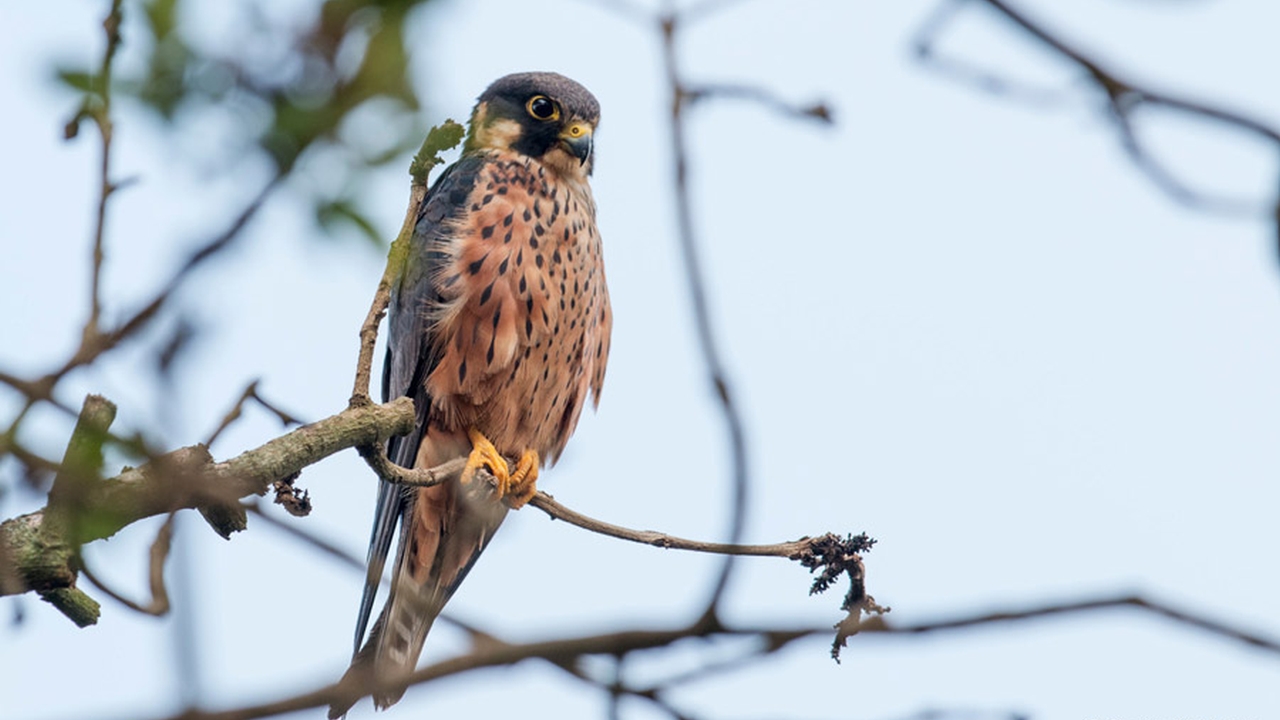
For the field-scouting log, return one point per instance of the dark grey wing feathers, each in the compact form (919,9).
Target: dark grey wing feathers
(411,356)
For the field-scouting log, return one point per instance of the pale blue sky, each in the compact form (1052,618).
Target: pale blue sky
(967,327)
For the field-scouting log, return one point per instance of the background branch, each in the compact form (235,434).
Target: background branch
(1124,96)
(567,651)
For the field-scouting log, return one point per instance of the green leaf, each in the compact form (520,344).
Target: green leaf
(332,212)
(85,82)
(161,17)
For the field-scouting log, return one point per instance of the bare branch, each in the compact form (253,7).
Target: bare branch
(564,652)
(326,547)
(1123,96)
(551,507)
(376,457)
(970,74)
(761,96)
(1215,627)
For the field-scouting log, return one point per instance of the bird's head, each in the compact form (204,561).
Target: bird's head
(543,115)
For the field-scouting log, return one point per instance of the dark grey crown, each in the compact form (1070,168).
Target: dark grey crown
(519,87)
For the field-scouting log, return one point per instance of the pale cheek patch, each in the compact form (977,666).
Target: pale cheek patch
(566,166)
(499,134)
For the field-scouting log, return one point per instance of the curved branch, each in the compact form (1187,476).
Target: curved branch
(159,552)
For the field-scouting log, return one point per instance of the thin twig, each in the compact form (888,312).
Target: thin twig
(761,96)
(971,74)
(91,347)
(551,507)
(1123,96)
(382,299)
(441,138)
(351,561)
(376,458)
(765,648)
(702,315)
(101,114)
(159,552)
(250,393)
(878,624)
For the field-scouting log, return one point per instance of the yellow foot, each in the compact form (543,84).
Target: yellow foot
(485,455)
(523,484)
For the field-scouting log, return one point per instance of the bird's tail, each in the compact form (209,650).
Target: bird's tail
(446,528)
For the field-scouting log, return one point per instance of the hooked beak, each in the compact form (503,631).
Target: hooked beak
(576,138)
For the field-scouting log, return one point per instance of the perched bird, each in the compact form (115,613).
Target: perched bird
(499,330)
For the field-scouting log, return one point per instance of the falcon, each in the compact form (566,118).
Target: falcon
(498,329)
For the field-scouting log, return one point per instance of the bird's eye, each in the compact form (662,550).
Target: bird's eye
(542,108)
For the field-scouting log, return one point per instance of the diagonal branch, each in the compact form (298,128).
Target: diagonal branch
(1123,97)
(250,393)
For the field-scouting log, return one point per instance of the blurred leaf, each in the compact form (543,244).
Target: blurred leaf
(164,85)
(291,95)
(161,17)
(330,213)
(383,70)
(78,80)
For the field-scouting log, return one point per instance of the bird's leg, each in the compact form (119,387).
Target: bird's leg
(484,454)
(523,484)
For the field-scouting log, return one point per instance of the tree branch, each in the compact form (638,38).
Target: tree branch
(441,138)
(556,511)
(188,478)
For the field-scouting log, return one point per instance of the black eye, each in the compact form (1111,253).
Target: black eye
(542,108)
